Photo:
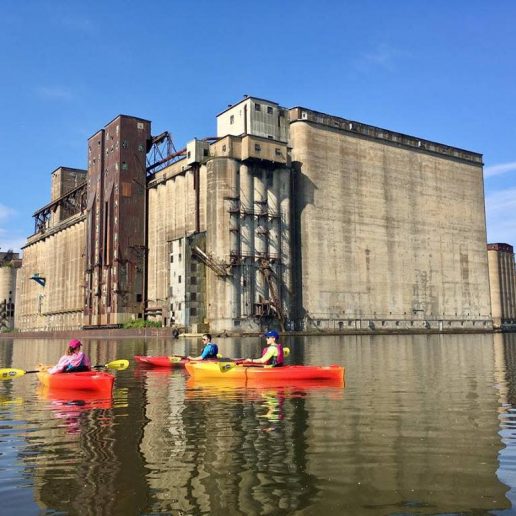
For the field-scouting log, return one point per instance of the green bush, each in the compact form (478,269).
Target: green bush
(141,323)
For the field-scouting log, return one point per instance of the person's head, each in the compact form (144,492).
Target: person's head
(73,346)
(271,336)
(206,338)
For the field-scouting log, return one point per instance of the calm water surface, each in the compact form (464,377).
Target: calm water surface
(424,425)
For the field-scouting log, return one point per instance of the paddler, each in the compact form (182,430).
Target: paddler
(209,351)
(272,355)
(73,361)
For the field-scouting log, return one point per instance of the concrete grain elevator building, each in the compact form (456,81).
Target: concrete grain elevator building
(286,217)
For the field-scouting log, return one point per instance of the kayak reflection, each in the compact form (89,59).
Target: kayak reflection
(72,406)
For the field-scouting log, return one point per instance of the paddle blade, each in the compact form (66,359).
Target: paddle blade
(286,352)
(119,365)
(11,374)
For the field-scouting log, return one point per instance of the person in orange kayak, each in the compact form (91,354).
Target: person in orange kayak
(74,361)
(271,355)
(209,351)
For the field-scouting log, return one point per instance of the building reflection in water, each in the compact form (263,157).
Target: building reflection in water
(221,447)
(505,357)
(414,429)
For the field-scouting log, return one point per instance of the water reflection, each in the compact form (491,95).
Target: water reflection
(425,424)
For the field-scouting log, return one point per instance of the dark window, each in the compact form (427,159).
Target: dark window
(257,147)
(257,107)
(193,311)
(171,258)
(232,119)
(193,280)
(193,266)
(269,110)
(189,154)
(205,152)
(278,152)
(179,279)
(223,148)
(193,296)
(139,298)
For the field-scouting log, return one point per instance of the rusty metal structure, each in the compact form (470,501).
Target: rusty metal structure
(115,248)
(72,202)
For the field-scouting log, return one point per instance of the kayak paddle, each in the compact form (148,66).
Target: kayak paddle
(118,365)
(12,373)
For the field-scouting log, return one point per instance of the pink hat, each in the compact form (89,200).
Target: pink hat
(74,344)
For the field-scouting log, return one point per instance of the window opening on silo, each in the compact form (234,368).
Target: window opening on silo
(257,107)
(179,279)
(257,147)
(205,152)
(232,119)
(223,148)
(269,110)
(189,154)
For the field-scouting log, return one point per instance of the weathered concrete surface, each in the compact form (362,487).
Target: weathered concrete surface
(503,286)
(59,258)
(386,235)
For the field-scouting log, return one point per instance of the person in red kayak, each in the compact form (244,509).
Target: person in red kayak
(273,354)
(209,351)
(74,361)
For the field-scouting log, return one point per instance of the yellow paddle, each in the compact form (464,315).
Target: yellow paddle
(11,373)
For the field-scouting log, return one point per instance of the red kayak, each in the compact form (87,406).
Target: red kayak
(97,381)
(161,361)
(166,361)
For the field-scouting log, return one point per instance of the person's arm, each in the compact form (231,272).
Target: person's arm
(63,362)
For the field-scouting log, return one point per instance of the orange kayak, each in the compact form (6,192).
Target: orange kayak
(97,381)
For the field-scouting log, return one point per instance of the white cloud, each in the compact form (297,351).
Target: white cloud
(498,170)
(6,212)
(54,93)
(9,238)
(382,56)
(501,216)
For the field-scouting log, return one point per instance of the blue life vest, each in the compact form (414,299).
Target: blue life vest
(210,351)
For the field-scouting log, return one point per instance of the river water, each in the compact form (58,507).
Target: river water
(423,425)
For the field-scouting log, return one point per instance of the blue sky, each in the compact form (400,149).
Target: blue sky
(443,70)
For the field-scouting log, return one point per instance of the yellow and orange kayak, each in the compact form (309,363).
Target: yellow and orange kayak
(285,374)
